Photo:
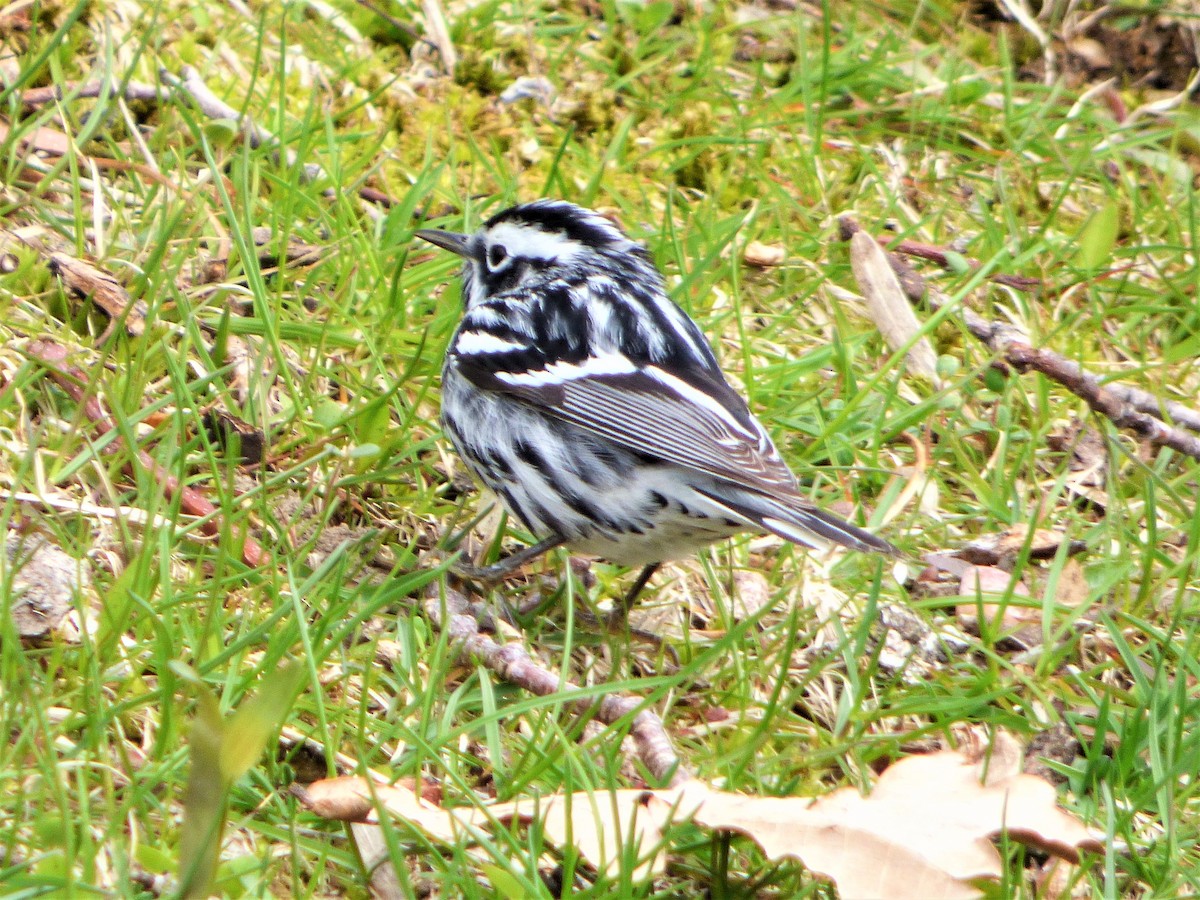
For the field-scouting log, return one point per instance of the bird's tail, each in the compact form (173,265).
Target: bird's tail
(797,521)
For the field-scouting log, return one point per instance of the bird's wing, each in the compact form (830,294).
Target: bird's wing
(699,423)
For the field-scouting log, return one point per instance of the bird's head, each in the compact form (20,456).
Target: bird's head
(533,242)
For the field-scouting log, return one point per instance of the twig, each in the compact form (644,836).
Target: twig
(192,85)
(941,256)
(202,98)
(1126,407)
(52,142)
(847,228)
(104,290)
(72,380)
(1118,399)
(1071,375)
(512,663)
(399,24)
(999,337)
(131,91)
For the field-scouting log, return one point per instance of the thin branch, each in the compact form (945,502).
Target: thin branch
(1102,400)
(1127,406)
(133,91)
(191,85)
(513,663)
(847,228)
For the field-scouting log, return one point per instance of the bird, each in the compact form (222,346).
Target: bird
(594,407)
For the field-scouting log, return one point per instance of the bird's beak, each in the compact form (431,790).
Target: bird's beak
(447,240)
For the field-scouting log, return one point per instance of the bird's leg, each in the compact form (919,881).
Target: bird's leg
(511,563)
(639,585)
(620,614)
(617,621)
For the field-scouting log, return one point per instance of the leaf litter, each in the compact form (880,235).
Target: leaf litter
(925,831)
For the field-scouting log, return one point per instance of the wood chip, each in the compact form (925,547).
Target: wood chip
(102,289)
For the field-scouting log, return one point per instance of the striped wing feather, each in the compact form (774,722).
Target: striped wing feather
(651,413)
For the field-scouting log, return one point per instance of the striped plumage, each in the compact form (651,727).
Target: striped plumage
(594,407)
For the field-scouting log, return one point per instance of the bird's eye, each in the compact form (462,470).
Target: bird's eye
(496,255)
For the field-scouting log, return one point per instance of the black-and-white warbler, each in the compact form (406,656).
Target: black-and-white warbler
(593,406)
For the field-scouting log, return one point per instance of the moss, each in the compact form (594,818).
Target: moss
(482,71)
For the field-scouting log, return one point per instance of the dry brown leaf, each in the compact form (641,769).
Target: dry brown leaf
(438,34)
(46,140)
(982,582)
(1071,588)
(888,305)
(44,579)
(349,798)
(372,845)
(104,290)
(924,832)
(762,255)
(1058,879)
(1001,548)
(601,825)
(998,760)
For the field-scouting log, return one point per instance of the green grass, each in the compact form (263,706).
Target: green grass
(702,131)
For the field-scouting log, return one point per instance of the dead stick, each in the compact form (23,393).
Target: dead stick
(131,91)
(941,256)
(72,380)
(1126,406)
(847,227)
(203,98)
(512,663)
(1071,376)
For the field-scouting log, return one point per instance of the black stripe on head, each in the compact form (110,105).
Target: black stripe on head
(557,216)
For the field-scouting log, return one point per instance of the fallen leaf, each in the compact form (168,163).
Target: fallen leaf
(46,140)
(981,582)
(1002,548)
(604,826)
(349,798)
(1071,587)
(236,436)
(44,580)
(1057,879)
(762,255)
(924,832)
(438,34)
(105,291)
(889,307)
(998,754)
